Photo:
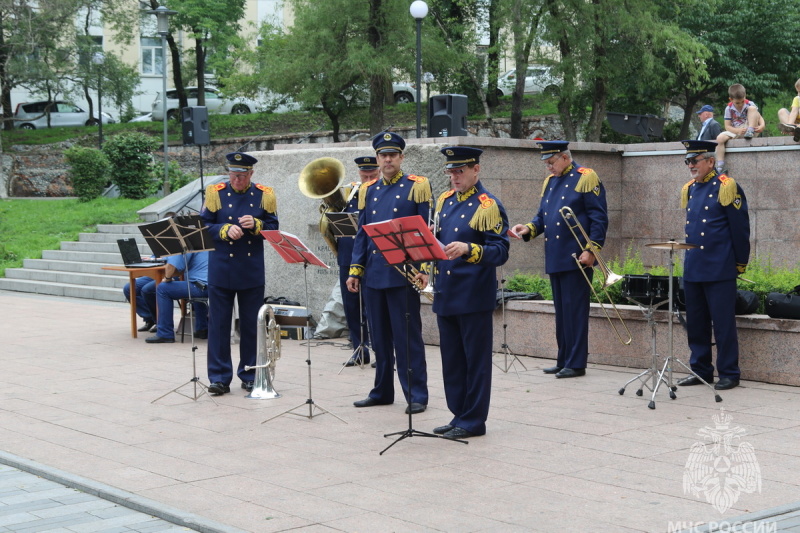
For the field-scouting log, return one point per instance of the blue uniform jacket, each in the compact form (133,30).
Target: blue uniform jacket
(717,221)
(344,245)
(238,264)
(580,189)
(381,202)
(468,284)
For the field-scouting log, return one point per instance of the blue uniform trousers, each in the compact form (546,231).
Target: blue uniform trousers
(387,321)
(350,301)
(710,305)
(219,332)
(571,301)
(466,346)
(145,309)
(165,296)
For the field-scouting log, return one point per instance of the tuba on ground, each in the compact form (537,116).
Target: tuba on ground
(269,351)
(323,179)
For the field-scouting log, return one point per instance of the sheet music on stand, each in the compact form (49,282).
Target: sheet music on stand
(291,248)
(343,224)
(177,235)
(406,238)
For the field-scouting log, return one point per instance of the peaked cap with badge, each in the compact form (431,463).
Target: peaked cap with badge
(388,142)
(459,156)
(240,162)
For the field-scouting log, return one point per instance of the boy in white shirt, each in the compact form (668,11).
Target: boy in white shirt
(742,120)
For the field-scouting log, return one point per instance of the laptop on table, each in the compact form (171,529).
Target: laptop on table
(131,256)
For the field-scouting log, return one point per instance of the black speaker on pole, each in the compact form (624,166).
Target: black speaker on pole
(447,115)
(195,125)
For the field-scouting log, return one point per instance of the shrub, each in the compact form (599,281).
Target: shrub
(177,177)
(130,155)
(89,171)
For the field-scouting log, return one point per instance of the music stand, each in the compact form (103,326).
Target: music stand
(505,349)
(181,235)
(404,241)
(671,245)
(292,250)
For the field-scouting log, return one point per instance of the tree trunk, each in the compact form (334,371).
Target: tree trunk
(377,83)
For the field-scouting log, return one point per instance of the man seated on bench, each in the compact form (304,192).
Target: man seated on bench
(172,288)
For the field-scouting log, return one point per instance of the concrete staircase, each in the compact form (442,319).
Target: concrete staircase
(76,269)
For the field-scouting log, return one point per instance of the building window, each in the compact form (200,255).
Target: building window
(152,56)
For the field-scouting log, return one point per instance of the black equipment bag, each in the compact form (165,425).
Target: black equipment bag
(779,305)
(280,300)
(746,302)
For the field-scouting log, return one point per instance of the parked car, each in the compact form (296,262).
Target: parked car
(33,115)
(404,93)
(538,80)
(215,103)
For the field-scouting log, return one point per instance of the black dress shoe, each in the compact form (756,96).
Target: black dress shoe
(552,370)
(218,388)
(356,361)
(688,381)
(374,364)
(458,433)
(416,408)
(158,340)
(441,430)
(147,326)
(368,402)
(571,372)
(726,383)
(247,385)
(201,334)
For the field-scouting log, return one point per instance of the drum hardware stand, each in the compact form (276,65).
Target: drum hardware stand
(505,350)
(168,237)
(293,251)
(671,245)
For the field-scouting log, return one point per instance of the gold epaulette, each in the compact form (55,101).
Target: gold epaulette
(685,194)
(213,203)
(589,181)
(269,202)
(544,185)
(727,190)
(421,190)
(442,197)
(487,217)
(362,193)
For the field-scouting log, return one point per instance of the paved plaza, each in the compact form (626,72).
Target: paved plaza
(78,427)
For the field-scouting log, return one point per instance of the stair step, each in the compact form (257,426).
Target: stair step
(127,229)
(62,289)
(68,278)
(73,266)
(102,247)
(105,258)
(109,237)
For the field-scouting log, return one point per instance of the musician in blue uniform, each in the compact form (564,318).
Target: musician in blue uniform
(394,314)
(354,310)
(473,226)
(235,212)
(580,189)
(717,222)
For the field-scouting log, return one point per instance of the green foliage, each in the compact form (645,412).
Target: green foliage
(520,282)
(56,220)
(177,177)
(89,171)
(130,155)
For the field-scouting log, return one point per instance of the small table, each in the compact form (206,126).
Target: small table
(156,272)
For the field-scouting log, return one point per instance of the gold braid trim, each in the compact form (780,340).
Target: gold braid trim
(685,194)
(258,225)
(727,190)
(475,253)
(421,190)
(442,197)
(362,193)
(357,271)
(531,235)
(223,232)
(589,180)
(269,202)
(487,217)
(213,203)
(544,185)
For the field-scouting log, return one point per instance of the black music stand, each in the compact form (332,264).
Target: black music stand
(292,250)
(181,235)
(404,241)
(509,357)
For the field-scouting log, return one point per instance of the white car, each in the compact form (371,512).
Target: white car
(214,102)
(538,80)
(404,93)
(32,115)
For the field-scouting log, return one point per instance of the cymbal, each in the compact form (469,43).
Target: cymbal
(671,245)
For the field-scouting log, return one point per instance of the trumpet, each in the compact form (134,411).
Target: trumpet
(429,288)
(609,277)
(410,276)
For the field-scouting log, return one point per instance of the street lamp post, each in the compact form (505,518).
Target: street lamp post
(98,59)
(162,16)
(419,10)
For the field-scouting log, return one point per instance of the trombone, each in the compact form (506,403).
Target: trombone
(609,278)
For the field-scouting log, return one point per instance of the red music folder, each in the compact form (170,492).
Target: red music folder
(291,248)
(403,239)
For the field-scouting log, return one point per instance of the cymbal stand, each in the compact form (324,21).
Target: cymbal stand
(361,350)
(651,373)
(509,357)
(310,401)
(670,358)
